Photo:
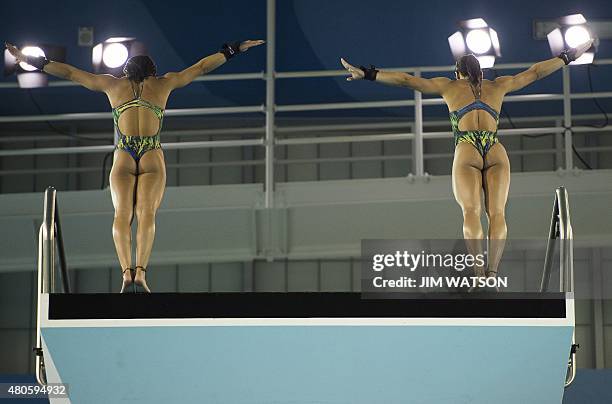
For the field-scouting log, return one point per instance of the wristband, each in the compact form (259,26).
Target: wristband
(568,56)
(369,73)
(38,62)
(230,49)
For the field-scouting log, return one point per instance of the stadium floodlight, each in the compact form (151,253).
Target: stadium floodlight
(110,56)
(28,76)
(572,31)
(475,36)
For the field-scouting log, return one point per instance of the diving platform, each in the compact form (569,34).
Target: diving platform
(304,348)
(248,348)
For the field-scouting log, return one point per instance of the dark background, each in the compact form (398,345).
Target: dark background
(311,35)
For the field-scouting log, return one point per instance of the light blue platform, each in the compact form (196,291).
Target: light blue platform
(161,361)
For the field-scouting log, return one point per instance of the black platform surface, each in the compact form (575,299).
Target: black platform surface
(297,305)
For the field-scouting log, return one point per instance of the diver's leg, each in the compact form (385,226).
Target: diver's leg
(467,188)
(496,186)
(122,181)
(149,193)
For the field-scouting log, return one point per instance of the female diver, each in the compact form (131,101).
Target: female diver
(138,174)
(480,160)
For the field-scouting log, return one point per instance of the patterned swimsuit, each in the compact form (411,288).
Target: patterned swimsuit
(482,140)
(137,146)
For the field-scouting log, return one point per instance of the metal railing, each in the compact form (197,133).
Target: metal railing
(563,126)
(561,229)
(417,135)
(49,238)
(271,109)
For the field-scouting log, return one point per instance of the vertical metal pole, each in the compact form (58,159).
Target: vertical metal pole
(270,47)
(41,284)
(417,143)
(45,281)
(48,247)
(550,247)
(558,146)
(567,119)
(566,248)
(61,251)
(598,317)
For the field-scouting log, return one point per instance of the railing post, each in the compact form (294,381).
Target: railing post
(417,152)
(270,72)
(566,247)
(45,279)
(553,234)
(566,259)
(61,251)
(558,146)
(48,241)
(567,119)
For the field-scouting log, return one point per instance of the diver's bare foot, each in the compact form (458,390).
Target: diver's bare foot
(128,280)
(139,279)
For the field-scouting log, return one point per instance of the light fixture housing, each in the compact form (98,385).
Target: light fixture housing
(28,76)
(475,36)
(571,31)
(110,56)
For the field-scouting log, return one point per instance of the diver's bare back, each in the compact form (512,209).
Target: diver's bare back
(139,121)
(458,93)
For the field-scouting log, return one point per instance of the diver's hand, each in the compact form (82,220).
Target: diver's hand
(244,46)
(13,50)
(356,72)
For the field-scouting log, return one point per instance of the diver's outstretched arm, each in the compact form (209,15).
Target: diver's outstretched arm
(541,69)
(436,85)
(208,64)
(94,82)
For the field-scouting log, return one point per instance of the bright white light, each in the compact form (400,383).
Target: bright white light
(478,41)
(574,19)
(486,62)
(494,40)
(96,55)
(576,35)
(555,40)
(585,59)
(32,80)
(114,55)
(457,44)
(475,23)
(30,51)
(118,39)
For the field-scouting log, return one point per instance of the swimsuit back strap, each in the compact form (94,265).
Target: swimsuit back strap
(138,102)
(455,116)
(478,104)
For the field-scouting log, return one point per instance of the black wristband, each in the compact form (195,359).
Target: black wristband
(369,73)
(230,49)
(38,62)
(568,56)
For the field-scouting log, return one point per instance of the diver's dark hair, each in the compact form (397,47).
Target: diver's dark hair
(138,68)
(469,66)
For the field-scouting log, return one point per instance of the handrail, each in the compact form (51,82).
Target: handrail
(566,280)
(563,129)
(561,228)
(61,251)
(49,236)
(89,116)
